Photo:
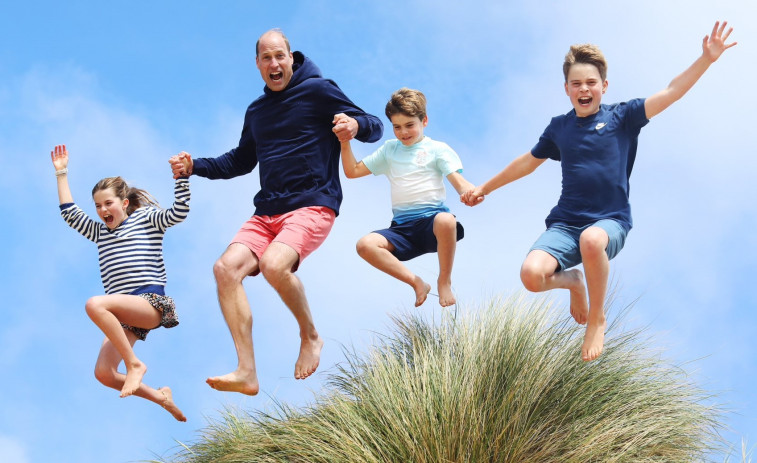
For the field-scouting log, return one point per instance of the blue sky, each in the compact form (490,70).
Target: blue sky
(127,84)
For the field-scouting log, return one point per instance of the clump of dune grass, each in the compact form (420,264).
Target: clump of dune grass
(500,383)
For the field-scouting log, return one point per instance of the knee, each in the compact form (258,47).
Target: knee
(593,241)
(106,376)
(532,277)
(224,272)
(445,222)
(364,246)
(274,270)
(93,306)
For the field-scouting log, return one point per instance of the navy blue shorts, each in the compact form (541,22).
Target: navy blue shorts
(414,238)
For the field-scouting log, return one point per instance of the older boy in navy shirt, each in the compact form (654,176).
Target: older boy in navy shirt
(596,147)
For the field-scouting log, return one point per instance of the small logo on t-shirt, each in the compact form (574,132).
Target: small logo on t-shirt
(600,125)
(421,157)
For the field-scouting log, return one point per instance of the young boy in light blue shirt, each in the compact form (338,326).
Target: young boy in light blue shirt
(415,166)
(596,147)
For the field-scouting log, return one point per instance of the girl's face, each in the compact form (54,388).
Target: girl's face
(110,208)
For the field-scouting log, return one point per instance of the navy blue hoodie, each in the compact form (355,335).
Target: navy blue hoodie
(288,133)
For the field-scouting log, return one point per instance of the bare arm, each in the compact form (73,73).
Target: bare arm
(712,47)
(460,184)
(59,157)
(352,168)
(518,168)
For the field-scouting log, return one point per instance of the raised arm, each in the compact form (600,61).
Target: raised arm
(518,168)
(181,164)
(59,156)
(352,168)
(712,47)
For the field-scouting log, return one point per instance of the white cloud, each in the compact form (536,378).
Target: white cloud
(13,450)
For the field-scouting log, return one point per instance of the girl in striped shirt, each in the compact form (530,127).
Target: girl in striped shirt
(130,246)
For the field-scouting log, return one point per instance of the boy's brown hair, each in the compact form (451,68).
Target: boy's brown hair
(408,102)
(585,54)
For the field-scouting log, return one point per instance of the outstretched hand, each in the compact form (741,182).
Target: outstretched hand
(345,127)
(181,164)
(59,157)
(714,44)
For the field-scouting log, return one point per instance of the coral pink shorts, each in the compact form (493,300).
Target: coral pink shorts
(303,230)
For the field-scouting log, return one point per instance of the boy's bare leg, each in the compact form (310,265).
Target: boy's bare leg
(445,230)
(593,243)
(377,251)
(230,269)
(108,312)
(106,372)
(276,266)
(539,273)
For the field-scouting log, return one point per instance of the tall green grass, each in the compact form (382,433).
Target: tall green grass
(500,383)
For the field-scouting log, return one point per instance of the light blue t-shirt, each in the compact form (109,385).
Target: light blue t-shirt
(416,174)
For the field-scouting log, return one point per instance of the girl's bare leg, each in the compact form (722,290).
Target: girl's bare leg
(108,312)
(445,230)
(106,371)
(377,251)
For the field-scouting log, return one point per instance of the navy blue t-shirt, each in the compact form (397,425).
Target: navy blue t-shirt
(596,154)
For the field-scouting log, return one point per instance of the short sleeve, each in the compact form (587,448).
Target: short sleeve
(376,162)
(447,160)
(546,148)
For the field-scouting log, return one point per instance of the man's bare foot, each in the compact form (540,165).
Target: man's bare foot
(421,289)
(594,341)
(245,383)
(309,359)
(169,405)
(579,306)
(446,298)
(134,374)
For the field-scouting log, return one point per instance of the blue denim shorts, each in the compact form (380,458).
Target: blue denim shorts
(414,238)
(562,241)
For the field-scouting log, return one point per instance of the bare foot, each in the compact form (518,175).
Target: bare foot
(446,298)
(134,375)
(421,291)
(594,341)
(310,357)
(579,306)
(169,405)
(245,383)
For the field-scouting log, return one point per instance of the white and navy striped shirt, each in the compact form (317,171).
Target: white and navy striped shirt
(131,255)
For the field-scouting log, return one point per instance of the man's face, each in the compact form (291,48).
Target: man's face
(585,88)
(274,61)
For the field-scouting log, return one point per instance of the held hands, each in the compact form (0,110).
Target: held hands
(59,157)
(714,44)
(345,127)
(181,164)
(472,197)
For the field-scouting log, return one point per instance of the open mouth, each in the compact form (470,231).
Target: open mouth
(276,76)
(108,219)
(584,100)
